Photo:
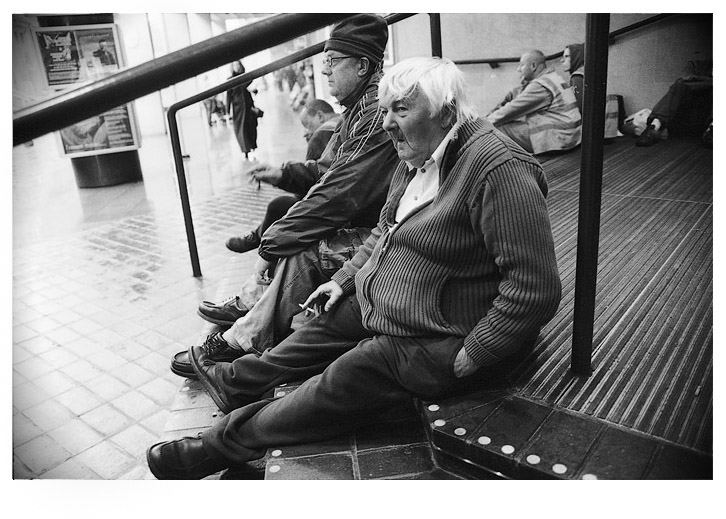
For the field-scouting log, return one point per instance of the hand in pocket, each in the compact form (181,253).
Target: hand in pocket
(463,365)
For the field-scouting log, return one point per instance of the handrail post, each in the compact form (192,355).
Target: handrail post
(183,192)
(588,224)
(435,24)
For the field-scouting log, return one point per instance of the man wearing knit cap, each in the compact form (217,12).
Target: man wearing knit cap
(346,189)
(458,276)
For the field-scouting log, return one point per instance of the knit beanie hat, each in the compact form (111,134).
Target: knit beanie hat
(363,35)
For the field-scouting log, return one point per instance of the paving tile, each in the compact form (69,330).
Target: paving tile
(106,419)
(107,460)
(43,325)
(160,391)
(66,316)
(135,440)
(48,415)
(41,454)
(156,422)
(84,347)
(20,354)
(79,400)
(58,356)
(22,333)
(192,418)
(37,345)
(28,395)
(24,430)
(618,454)
(33,368)
(106,360)
(70,469)
(139,472)
(154,362)
(81,371)
(135,405)
(20,471)
(131,350)
(18,379)
(85,326)
(55,383)
(133,374)
(62,335)
(75,436)
(186,398)
(107,387)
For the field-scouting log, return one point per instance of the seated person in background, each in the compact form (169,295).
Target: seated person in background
(686,108)
(459,274)
(319,121)
(573,61)
(541,114)
(346,189)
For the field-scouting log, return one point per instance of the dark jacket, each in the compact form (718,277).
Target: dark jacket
(477,262)
(346,187)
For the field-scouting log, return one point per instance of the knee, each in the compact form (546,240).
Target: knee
(281,204)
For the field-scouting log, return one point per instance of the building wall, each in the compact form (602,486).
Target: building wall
(642,64)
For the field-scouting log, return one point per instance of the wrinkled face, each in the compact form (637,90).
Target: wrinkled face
(566,59)
(310,123)
(415,134)
(526,68)
(342,74)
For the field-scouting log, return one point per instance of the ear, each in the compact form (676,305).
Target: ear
(447,117)
(364,66)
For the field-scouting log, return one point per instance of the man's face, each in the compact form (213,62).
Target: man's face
(414,133)
(526,68)
(566,59)
(310,123)
(342,74)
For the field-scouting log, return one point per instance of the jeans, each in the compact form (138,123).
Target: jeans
(355,377)
(269,320)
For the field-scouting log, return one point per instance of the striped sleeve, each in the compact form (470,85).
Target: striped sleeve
(517,232)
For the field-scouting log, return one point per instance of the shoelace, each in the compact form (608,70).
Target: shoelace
(214,343)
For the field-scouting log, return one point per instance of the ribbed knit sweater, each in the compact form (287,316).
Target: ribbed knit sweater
(477,262)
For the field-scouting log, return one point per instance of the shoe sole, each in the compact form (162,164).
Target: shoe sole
(211,390)
(185,374)
(212,320)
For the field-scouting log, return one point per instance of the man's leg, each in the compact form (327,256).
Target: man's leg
(303,354)
(379,373)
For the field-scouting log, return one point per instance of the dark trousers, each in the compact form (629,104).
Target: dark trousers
(686,107)
(355,377)
(276,209)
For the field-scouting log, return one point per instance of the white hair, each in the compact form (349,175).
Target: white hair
(439,80)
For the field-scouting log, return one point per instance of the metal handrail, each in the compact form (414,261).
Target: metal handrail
(97,97)
(494,62)
(230,83)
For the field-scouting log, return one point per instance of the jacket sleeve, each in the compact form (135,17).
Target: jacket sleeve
(534,97)
(512,215)
(299,177)
(358,174)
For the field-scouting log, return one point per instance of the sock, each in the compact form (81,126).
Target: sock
(656,124)
(229,337)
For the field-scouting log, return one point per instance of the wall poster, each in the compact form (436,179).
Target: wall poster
(74,56)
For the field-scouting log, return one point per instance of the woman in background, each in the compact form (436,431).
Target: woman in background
(244,112)
(573,61)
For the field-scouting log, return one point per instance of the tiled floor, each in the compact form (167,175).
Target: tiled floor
(103,292)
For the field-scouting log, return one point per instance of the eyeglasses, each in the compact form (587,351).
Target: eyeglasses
(329,62)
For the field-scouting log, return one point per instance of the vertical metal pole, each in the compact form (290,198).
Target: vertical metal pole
(183,193)
(435,23)
(588,226)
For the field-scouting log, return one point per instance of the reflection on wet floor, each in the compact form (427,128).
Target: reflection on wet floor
(103,292)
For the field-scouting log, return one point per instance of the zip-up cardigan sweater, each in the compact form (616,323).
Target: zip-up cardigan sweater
(346,187)
(477,262)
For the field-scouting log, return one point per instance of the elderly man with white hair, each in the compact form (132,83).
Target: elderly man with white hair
(458,275)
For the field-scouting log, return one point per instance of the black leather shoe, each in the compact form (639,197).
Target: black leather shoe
(224,313)
(182,459)
(649,137)
(248,242)
(216,349)
(204,368)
